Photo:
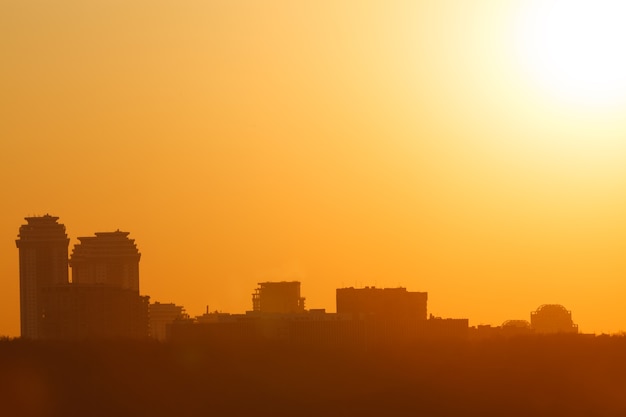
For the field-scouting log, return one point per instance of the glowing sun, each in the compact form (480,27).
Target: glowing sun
(576,49)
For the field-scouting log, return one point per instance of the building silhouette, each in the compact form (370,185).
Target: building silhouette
(83,312)
(446,328)
(552,318)
(43,248)
(395,315)
(365,317)
(108,258)
(390,303)
(278,297)
(516,328)
(162,315)
(101,300)
(278,315)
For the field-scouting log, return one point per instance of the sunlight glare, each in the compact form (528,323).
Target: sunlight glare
(575,49)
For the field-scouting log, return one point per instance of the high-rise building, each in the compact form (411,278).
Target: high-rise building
(102,300)
(43,248)
(108,258)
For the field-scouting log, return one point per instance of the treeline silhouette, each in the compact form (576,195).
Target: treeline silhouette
(550,375)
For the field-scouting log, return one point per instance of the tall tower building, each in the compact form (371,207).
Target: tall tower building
(108,258)
(102,301)
(43,249)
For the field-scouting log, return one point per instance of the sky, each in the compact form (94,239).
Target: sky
(472,150)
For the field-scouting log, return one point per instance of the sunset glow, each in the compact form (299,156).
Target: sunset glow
(575,49)
(473,150)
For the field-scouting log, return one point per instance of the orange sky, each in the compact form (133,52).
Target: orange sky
(339,143)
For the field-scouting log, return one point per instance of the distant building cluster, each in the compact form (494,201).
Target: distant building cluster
(102,300)
(364,316)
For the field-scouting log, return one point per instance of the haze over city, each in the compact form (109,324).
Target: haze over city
(437,146)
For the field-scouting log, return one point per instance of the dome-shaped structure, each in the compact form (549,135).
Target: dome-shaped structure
(516,324)
(552,318)
(515,327)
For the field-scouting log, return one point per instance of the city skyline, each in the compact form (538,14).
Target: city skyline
(109,261)
(345,207)
(471,150)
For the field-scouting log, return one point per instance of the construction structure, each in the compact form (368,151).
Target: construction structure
(552,318)
(516,328)
(278,297)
